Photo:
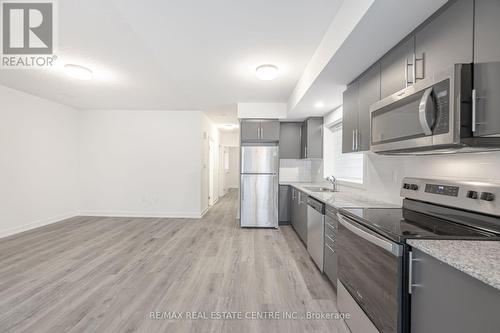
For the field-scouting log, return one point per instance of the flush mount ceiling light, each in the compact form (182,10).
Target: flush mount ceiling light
(319,105)
(267,72)
(78,72)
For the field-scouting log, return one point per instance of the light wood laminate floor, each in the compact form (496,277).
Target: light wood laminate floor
(103,274)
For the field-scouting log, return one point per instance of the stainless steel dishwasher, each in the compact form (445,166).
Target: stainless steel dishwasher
(316,231)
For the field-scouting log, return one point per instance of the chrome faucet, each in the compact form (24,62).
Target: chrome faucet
(332,180)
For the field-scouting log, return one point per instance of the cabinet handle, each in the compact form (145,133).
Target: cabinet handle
(261,133)
(407,64)
(353,140)
(305,151)
(357,139)
(415,59)
(474,110)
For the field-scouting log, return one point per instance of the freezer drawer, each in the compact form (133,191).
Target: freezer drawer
(259,159)
(259,201)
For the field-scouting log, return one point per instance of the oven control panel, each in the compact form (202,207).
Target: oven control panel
(480,196)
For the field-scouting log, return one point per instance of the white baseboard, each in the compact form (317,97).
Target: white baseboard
(44,222)
(36,224)
(169,215)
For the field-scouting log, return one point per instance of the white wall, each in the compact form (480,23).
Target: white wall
(38,161)
(232,174)
(262,110)
(384,174)
(230,138)
(141,163)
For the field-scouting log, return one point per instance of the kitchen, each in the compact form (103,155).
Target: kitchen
(343,177)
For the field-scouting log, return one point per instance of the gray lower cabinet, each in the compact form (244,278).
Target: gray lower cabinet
(260,130)
(290,140)
(487,67)
(285,201)
(350,117)
(312,138)
(330,255)
(446,39)
(446,300)
(299,214)
(396,71)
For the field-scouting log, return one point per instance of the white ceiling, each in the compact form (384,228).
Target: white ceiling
(368,40)
(179,54)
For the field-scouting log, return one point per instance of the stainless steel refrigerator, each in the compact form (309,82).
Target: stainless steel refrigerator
(259,186)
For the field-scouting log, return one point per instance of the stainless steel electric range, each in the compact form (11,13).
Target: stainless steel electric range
(374,261)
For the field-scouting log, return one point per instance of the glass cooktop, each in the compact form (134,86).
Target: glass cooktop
(399,224)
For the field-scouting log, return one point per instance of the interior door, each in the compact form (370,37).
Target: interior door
(259,201)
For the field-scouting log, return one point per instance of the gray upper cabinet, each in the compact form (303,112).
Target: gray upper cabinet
(270,130)
(445,299)
(350,117)
(369,93)
(312,138)
(253,130)
(290,140)
(446,39)
(250,130)
(487,67)
(396,68)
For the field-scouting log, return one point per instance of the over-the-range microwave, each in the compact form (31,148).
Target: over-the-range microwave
(435,115)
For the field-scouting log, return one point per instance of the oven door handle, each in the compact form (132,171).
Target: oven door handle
(391,247)
(422,111)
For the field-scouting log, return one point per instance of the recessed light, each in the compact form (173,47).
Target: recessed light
(267,72)
(78,72)
(319,105)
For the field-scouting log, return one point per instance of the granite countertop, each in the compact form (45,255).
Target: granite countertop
(346,197)
(479,259)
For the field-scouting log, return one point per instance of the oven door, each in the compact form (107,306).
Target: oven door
(370,267)
(419,117)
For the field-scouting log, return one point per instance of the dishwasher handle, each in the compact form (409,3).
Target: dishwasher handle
(316,205)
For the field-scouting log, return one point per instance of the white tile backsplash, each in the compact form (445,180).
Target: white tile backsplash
(304,171)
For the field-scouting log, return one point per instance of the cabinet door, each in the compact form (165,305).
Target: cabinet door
(294,206)
(395,74)
(350,117)
(250,130)
(302,222)
(446,39)
(290,140)
(445,299)
(303,140)
(314,137)
(284,204)
(269,130)
(369,93)
(487,67)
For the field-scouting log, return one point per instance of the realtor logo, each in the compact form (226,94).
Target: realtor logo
(27,29)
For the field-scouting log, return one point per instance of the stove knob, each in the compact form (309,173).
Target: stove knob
(472,195)
(414,187)
(487,196)
(406,186)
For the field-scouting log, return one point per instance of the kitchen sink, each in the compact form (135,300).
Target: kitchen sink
(320,189)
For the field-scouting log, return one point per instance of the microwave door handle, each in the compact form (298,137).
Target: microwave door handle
(422,112)
(382,243)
